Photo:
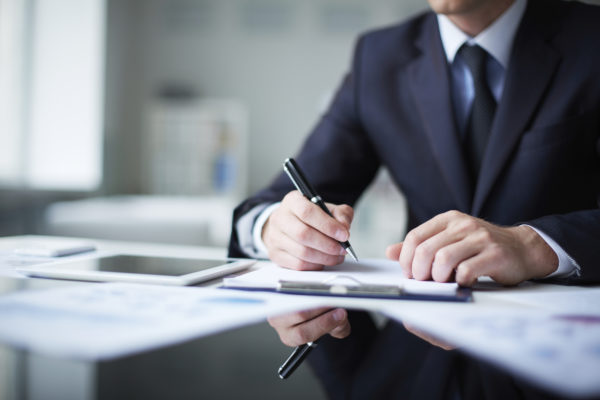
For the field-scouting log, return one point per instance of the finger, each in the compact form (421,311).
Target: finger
(286,260)
(313,216)
(413,239)
(315,328)
(392,252)
(468,271)
(343,213)
(426,252)
(341,331)
(448,258)
(421,233)
(293,319)
(308,254)
(306,235)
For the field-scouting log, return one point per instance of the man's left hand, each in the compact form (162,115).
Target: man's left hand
(457,246)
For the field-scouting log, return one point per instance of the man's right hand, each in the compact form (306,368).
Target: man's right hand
(299,235)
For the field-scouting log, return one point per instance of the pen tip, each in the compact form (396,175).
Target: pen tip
(350,251)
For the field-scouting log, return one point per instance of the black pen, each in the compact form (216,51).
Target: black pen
(299,180)
(295,359)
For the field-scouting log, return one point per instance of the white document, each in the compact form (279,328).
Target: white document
(373,271)
(556,298)
(103,321)
(558,351)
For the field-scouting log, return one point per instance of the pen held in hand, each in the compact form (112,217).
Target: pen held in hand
(292,169)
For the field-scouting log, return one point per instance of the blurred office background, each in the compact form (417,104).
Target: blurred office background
(149,120)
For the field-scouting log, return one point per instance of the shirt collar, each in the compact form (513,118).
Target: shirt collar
(496,39)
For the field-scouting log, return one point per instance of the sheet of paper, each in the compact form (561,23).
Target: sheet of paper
(558,351)
(102,321)
(368,271)
(556,298)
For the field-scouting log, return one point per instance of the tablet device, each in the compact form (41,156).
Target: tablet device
(140,269)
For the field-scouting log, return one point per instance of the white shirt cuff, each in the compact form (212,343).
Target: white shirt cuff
(566,265)
(249,228)
(257,230)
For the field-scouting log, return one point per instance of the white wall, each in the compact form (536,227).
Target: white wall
(280,57)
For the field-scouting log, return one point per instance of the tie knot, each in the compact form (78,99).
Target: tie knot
(474,57)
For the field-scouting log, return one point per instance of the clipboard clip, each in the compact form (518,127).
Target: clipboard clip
(339,286)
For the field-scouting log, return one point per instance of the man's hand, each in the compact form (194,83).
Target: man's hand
(307,326)
(456,246)
(299,235)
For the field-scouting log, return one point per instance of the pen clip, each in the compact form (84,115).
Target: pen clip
(339,289)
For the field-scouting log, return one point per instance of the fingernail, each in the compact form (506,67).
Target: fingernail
(341,235)
(342,251)
(339,314)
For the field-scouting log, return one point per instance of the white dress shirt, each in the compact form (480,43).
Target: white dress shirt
(497,40)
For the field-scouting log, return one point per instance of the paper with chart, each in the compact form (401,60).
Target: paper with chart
(368,271)
(559,351)
(103,321)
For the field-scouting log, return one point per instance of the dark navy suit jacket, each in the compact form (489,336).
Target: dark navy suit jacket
(542,163)
(541,167)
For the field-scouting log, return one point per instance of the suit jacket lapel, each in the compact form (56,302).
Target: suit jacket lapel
(430,87)
(532,65)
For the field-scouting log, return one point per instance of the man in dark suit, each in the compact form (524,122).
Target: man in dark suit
(487,115)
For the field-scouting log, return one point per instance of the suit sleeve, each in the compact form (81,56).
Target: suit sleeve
(337,158)
(578,233)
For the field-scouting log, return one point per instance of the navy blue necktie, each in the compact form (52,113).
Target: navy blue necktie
(482,111)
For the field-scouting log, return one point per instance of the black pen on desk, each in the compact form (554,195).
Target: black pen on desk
(299,180)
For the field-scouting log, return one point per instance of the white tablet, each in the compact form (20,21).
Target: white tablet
(140,269)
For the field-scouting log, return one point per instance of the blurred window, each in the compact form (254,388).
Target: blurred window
(51,93)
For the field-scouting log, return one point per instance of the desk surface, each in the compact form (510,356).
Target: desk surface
(250,355)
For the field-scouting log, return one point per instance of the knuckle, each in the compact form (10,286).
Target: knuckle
(423,250)
(413,237)
(305,211)
(484,235)
(303,233)
(469,224)
(453,214)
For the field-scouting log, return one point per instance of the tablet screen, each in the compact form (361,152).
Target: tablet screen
(147,265)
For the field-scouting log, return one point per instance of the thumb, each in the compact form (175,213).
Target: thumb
(393,251)
(342,213)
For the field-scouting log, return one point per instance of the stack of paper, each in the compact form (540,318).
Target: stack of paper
(100,321)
